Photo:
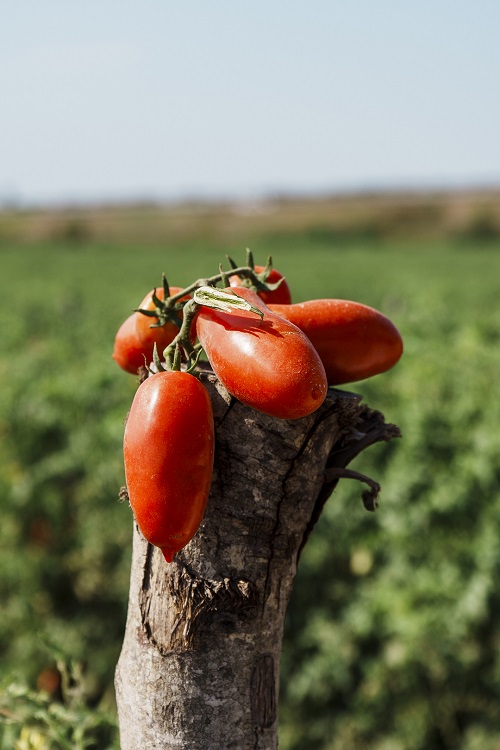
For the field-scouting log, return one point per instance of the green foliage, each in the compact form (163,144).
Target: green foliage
(31,720)
(392,636)
(61,470)
(392,639)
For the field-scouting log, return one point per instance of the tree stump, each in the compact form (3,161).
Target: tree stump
(199,667)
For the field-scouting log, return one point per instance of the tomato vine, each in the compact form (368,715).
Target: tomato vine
(270,354)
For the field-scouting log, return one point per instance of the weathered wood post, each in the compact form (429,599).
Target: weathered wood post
(199,668)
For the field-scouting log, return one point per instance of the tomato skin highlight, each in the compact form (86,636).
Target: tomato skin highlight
(168,452)
(135,338)
(354,341)
(280,296)
(267,364)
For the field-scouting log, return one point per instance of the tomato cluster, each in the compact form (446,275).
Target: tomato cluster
(274,356)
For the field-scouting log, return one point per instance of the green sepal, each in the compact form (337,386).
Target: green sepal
(158,302)
(176,363)
(257,281)
(263,275)
(163,314)
(149,313)
(166,288)
(156,360)
(223,277)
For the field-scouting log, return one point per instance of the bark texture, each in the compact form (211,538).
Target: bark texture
(199,668)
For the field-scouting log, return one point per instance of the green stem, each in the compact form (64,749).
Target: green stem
(167,309)
(245,271)
(183,338)
(182,341)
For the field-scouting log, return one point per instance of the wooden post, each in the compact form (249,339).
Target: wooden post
(199,668)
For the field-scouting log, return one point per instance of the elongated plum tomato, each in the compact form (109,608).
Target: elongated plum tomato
(267,364)
(135,338)
(353,340)
(280,296)
(169,451)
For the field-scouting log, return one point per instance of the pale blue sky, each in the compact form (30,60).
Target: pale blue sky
(156,99)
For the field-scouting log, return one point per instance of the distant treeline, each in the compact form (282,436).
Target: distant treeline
(467,215)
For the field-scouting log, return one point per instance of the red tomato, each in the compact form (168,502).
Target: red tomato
(169,452)
(267,364)
(280,296)
(353,340)
(135,338)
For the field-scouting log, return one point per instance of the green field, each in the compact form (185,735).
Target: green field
(393,636)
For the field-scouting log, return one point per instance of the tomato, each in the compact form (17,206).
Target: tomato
(126,351)
(169,452)
(280,296)
(135,339)
(353,340)
(267,364)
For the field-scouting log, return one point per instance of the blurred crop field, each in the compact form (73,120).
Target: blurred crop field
(392,639)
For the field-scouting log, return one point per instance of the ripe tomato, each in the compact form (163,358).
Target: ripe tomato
(353,340)
(280,296)
(169,451)
(267,364)
(135,338)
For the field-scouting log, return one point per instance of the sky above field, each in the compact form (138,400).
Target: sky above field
(115,100)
